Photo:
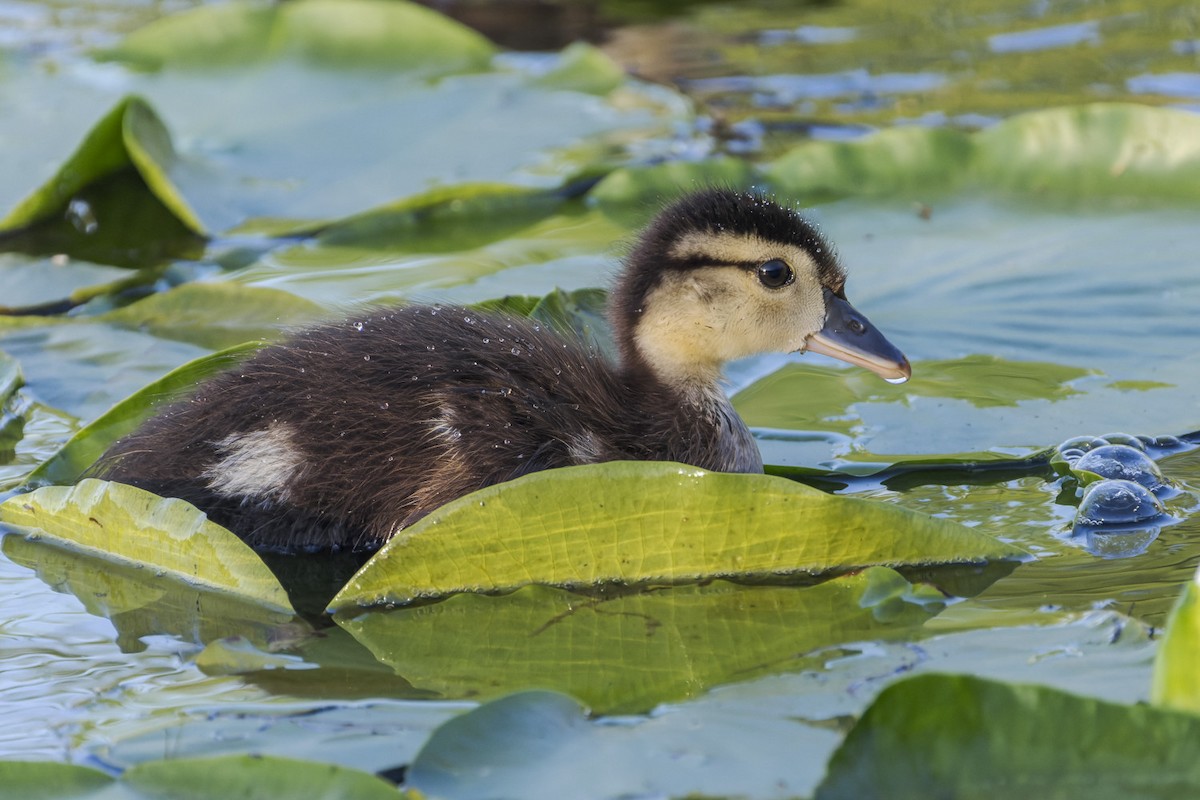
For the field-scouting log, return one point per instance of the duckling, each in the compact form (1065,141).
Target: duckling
(345,433)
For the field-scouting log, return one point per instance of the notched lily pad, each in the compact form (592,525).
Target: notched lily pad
(132,527)
(960,736)
(650,522)
(624,652)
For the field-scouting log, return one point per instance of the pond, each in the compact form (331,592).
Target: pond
(1011,186)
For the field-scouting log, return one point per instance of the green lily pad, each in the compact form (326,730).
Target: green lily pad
(649,522)
(541,745)
(583,68)
(1079,153)
(40,286)
(636,192)
(10,377)
(628,652)
(130,136)
(133,527)
(342,33)
(960,736)
(1094,151)
(1176,681)
(140,603)
(194,779)
(216,315)
(446,218)
(246,775)
(48,780)
(894,162)
(81,450)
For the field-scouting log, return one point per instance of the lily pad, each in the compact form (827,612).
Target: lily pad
(133,527)
(193,779)
(650,522)
(636,192)
(47,780)
(140,603)
(628,652)
(446,218)
(341,33)
(542,745)
(81,450)
(895,162)
(10,377)
(130,136)
(216,315)
(960,736)
(1079,153)
(1177,665)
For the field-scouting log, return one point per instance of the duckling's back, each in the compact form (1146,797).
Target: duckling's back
(348,432)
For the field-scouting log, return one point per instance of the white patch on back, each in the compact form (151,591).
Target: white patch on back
(585,448)
(259,464)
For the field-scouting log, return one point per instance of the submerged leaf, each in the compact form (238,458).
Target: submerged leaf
(965,737)
(134,527)
(1177,664)
(627,652)
(346,33)
(650,522)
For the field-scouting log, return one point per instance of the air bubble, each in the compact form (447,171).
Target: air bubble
(1119,462)
(358,326)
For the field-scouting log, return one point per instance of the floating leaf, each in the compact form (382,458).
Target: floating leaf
(130,135)
(194,779)
(627,652)
(140,603)
(639,191)
(542,745)
(133,527)
(46,780)
(1087,152)
(82,449)
(345,33)
(446,218)
(1177,664)
(583,68)
(1094,151)
(216,315)
(961,736)
(10,377)
(247,775)
(647,522)
(896,161)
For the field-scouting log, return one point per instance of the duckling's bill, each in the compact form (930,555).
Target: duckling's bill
(849,336)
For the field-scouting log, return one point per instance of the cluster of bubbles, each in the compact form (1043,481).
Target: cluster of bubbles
(1121,511)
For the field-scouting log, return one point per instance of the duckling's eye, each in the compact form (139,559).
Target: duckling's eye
(775,273)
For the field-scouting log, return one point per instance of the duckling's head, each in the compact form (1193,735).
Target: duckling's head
(721,275)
